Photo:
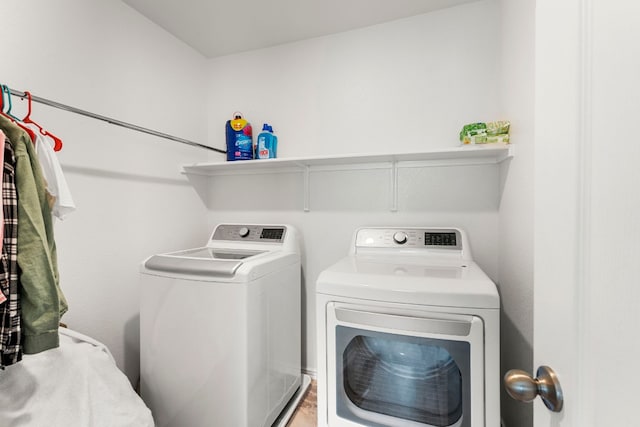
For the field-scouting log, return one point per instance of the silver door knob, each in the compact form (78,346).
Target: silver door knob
(522,387)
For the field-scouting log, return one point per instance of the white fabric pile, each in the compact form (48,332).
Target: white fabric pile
(75,385)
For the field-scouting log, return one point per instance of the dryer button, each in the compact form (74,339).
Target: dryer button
(244,232)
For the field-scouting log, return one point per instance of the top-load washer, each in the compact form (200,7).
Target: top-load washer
(408,333)
(220,329)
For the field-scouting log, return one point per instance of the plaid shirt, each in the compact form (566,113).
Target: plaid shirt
(10,324)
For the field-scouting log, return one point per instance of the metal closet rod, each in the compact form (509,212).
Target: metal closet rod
(112,121)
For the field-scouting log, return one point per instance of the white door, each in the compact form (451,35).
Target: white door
(587,214)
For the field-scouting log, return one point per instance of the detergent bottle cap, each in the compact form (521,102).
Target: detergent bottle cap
(267,127)
(239,123)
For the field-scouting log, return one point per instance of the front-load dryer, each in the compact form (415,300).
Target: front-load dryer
(408,333)
(220,329)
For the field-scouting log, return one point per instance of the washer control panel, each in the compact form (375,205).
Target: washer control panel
(249,233)
(414,238)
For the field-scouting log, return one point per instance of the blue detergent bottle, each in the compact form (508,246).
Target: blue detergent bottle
(239,138)
(267,145)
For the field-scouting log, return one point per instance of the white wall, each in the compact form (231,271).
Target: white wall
(403,86)
(131,200)
(516,208)
(406,85)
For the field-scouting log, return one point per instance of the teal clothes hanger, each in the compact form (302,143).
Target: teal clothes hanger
(5,89)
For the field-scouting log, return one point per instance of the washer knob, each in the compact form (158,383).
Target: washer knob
(244,232)
(400,237)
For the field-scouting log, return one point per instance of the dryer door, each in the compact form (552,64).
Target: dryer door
(404,369)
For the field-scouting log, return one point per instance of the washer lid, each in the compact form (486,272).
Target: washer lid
(209,262)
(410,280)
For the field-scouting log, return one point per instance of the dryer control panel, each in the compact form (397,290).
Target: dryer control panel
(249,233)
(414,238)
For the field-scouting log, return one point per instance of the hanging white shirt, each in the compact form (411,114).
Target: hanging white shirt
(52,171)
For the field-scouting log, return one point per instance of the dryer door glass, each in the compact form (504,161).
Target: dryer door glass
(387,377)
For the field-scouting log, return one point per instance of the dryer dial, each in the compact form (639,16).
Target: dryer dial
(244,232)
(400,237)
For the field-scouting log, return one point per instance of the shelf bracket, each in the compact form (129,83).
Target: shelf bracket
(393,187)
(306,184)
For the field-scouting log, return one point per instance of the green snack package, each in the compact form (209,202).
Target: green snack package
(498,128)
(472,132)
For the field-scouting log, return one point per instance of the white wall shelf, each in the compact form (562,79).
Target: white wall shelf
(473,154)
(457,156)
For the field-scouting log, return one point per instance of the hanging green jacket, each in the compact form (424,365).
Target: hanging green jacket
(42,300)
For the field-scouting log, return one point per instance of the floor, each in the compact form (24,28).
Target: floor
(305,414)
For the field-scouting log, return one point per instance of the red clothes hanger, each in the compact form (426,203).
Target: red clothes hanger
(57,142)
(7,114)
